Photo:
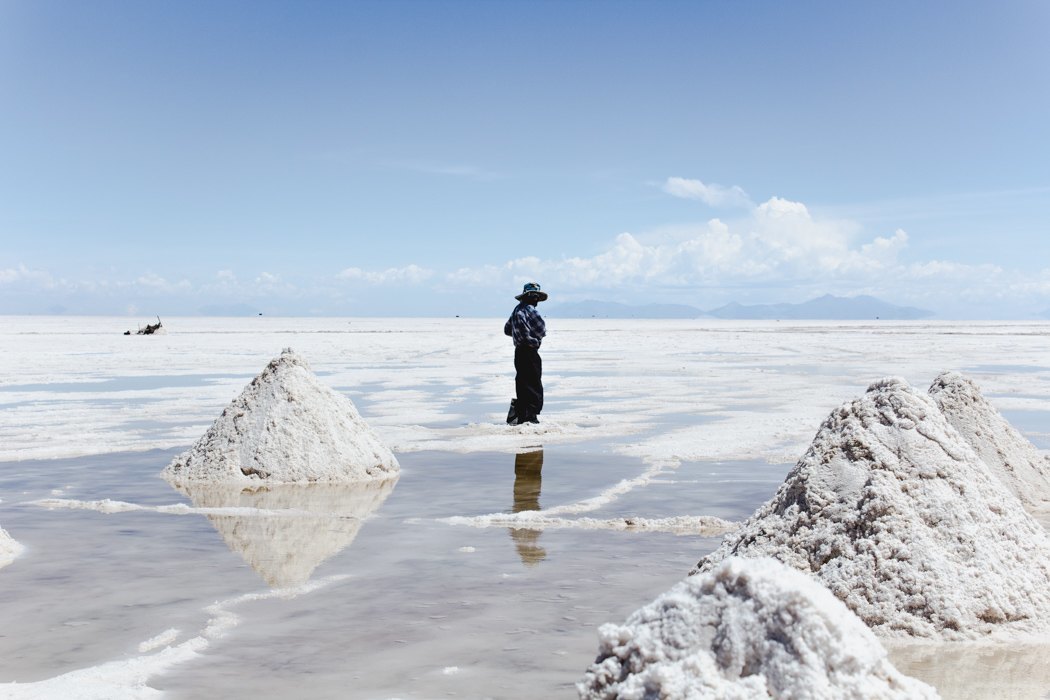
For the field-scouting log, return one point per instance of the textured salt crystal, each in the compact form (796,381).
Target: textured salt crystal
(749,628)
(286,427)
(9,549)
(895,513)
(1009,455)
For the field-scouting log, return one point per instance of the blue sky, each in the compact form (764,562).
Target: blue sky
(406,158)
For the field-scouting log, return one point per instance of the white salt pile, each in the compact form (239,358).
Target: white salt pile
(9,549)
(895,513)
(286,427)
(1009,455)
(750,628)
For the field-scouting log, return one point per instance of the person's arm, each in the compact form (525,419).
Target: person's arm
(506,326)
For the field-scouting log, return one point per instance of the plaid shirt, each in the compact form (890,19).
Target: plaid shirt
(526,326)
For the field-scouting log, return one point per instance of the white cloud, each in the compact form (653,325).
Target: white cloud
(711,194)
(271,283)
(486,275)
(152,280)
(777,250)
(778,243)
(410,274)
(155,283)
(22,274)
(886,249)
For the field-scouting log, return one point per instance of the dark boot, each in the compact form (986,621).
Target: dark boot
(512,414)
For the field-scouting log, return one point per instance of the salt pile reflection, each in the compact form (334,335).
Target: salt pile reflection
(288,530)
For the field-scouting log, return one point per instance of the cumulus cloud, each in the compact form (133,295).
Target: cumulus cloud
(778,240)
(886,249)
(777,244)
(750,255)
(713,195)
(410,274)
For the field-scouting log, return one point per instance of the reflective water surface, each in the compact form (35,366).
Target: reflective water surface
(406,606)
(412,608)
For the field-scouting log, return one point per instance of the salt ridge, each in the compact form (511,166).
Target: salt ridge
(894,512)
(286,427)
(109,506)
(703,525)
(1009,455)
(9,548)
(128,679)
(747,629)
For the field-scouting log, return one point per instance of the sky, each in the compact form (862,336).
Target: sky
(428,158)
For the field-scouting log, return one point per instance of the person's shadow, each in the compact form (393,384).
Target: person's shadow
(528,468)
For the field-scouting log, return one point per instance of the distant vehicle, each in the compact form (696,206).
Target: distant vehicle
(149,329)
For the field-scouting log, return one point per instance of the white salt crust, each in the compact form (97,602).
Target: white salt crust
(749,628)
(9,548)
(702,525)
(1006,452)
(286,427)
(894,512)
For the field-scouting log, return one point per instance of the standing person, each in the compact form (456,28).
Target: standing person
(527,328)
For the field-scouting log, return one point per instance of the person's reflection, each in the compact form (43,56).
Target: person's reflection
(527,477)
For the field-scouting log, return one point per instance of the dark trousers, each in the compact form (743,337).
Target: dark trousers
(527,382)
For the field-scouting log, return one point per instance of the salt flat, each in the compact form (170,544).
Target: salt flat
(645,420)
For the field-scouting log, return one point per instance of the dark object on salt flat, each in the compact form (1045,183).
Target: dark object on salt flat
(149,329)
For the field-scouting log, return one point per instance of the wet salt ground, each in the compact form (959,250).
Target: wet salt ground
(516,617)
(428,609)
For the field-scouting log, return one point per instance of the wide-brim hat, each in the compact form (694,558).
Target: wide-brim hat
(532,289)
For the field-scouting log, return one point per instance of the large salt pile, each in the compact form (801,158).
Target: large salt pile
(895,513)
(286,427)
(750,628)
(1009,455)
(9,549)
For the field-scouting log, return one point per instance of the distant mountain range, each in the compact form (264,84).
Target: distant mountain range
(827,307)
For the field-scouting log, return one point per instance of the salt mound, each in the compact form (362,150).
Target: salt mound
(9,549)
(898,516)
(286,427)
(750,628)
(1009,455)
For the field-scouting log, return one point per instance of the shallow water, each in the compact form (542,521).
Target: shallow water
(428,609)
(399,602)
